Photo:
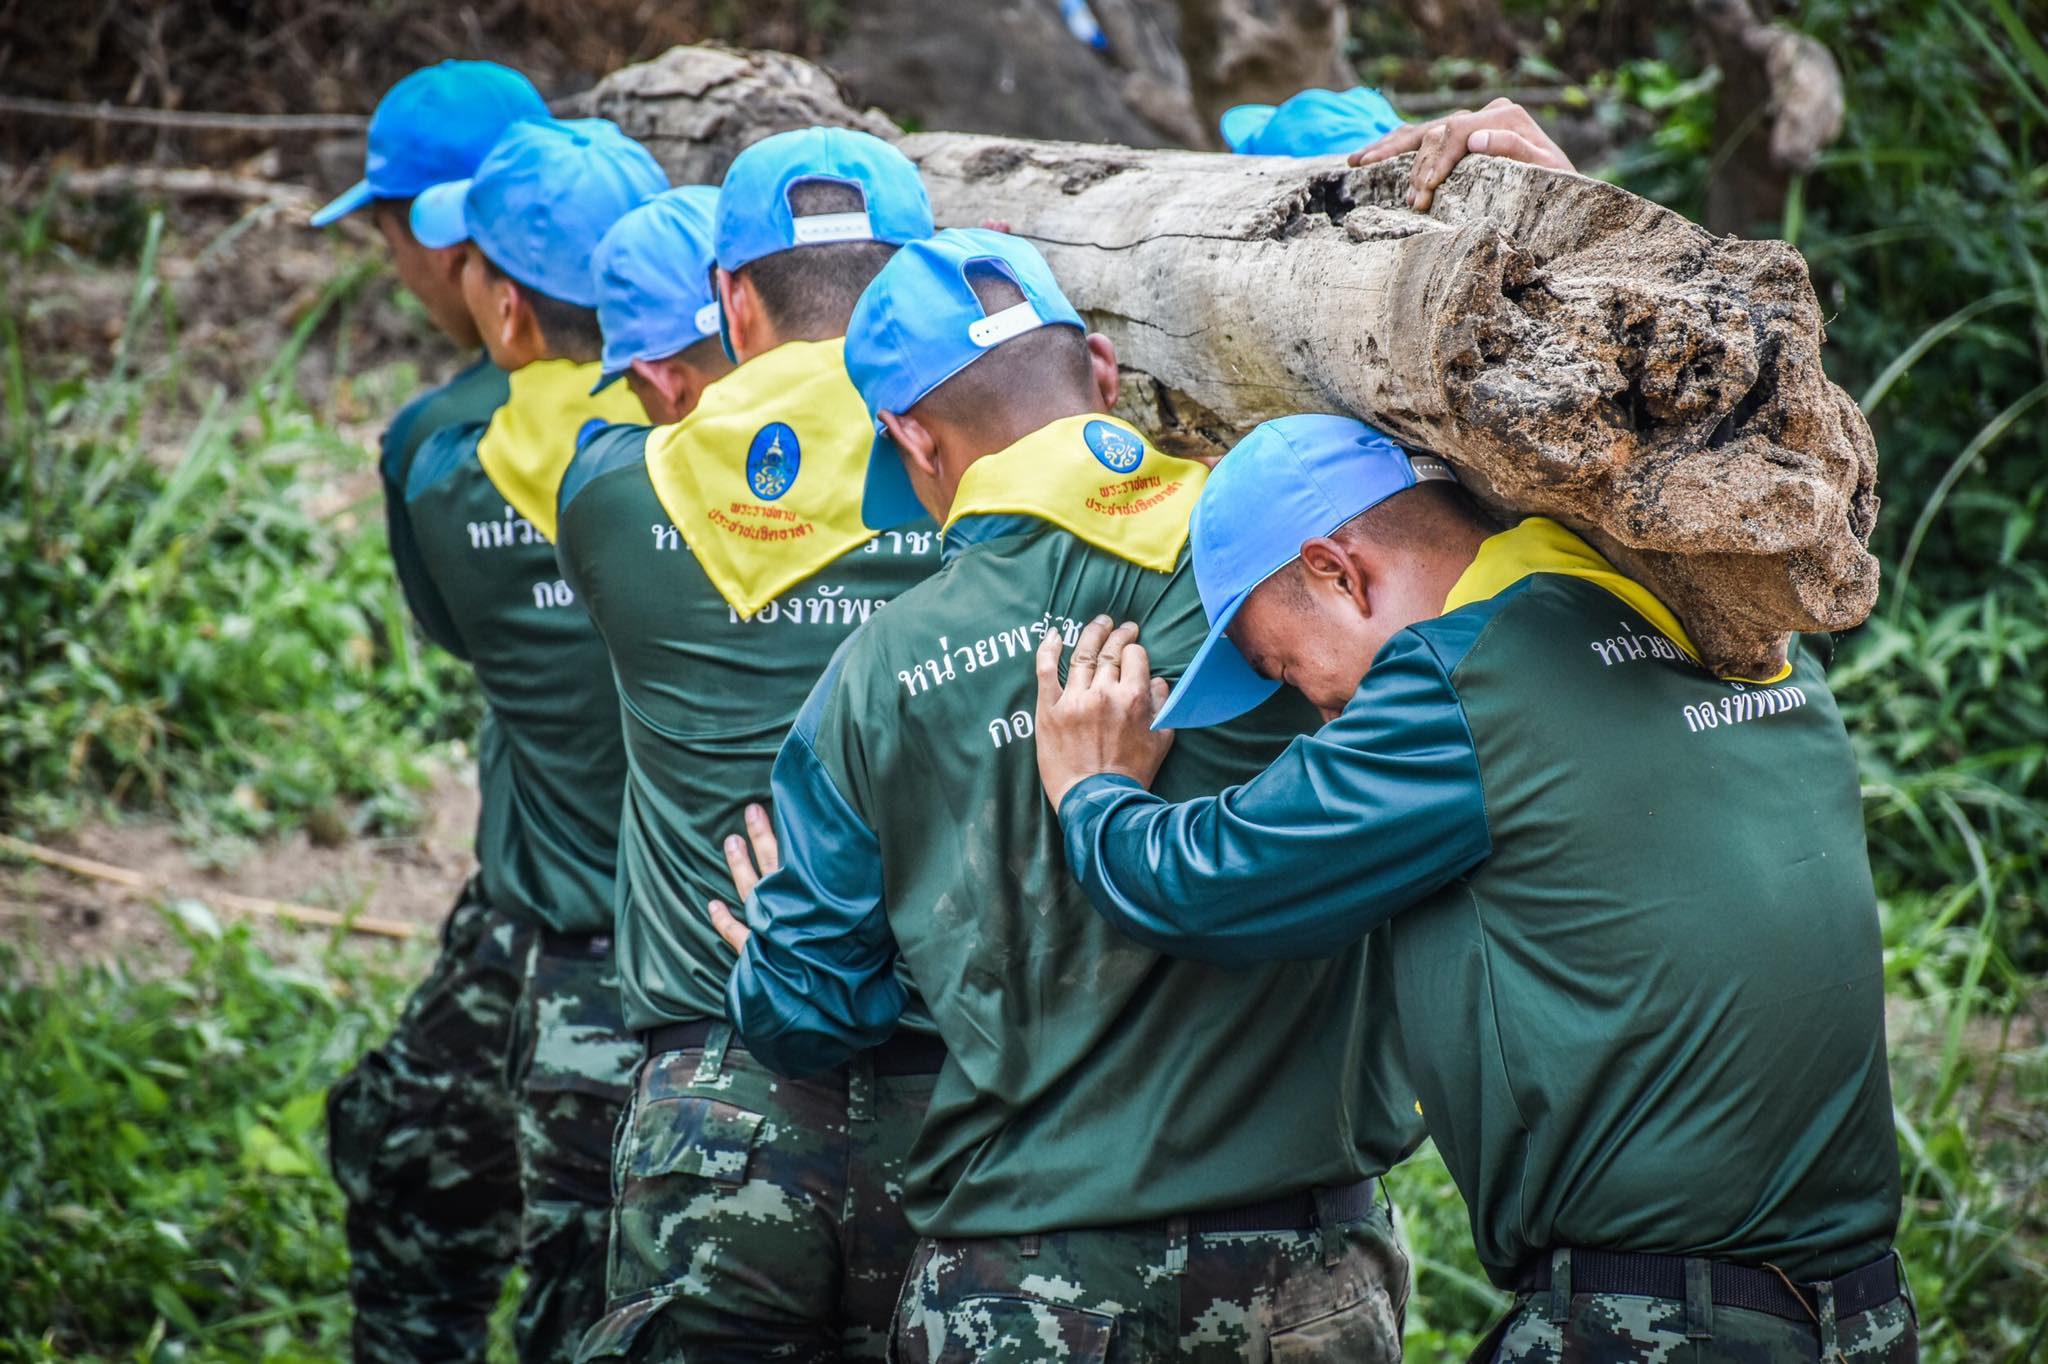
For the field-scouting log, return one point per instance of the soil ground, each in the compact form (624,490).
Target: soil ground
(62,919)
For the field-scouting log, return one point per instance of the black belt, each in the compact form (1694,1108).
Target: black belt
(1757,1290)
(554,943)
(1295,1212)
(905,1053)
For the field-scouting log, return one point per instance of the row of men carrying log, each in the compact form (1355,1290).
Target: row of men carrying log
(1157,853)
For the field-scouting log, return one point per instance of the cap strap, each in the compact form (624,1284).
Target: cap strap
(832,227)
(996,328)
(1428,467)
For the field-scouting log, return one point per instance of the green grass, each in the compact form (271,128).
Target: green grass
(179,630)
(165,1193)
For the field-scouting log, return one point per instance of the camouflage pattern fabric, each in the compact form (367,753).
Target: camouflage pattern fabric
(573,1073)
(1158,1294)
(1615,1328)
(421,1139)
(758,1217)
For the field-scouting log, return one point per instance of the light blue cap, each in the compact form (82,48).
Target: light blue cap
(754,219)
(541,201)
(434,126)
(652,272)
(1312,123)
(919,323)
(1290,480)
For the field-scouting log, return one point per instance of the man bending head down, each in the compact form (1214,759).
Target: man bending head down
(1634,943)
(1119,1144)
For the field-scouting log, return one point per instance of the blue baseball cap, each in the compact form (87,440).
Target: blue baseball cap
(434,126)
(919,323)
(1312,123)
(754,219)
(1290,480)
(541,201)
(652,273)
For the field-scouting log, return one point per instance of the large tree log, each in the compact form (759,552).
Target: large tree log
(1574,350)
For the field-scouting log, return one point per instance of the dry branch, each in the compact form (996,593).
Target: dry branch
(1576,351)
(281,125)
(142,884)
(189,183)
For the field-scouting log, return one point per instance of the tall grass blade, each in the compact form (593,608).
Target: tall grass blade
(1929,339)
(1990,432)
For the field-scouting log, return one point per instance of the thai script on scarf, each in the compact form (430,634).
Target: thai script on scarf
(1105,501)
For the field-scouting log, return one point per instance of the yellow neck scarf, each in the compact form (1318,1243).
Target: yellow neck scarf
(531,439)
(1541,545)
(1095,477)
(764,477)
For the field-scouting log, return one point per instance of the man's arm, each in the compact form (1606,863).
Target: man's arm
(1348,827)
(816,980)
(404,477)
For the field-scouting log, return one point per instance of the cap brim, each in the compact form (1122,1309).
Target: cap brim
(606,380)
(888,500)
(437,215)
(1239,125)
(1218,684)
(348,201)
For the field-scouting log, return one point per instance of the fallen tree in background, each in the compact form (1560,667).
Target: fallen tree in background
(1574,350)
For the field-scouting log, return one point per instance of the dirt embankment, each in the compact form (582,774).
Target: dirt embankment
(61,919)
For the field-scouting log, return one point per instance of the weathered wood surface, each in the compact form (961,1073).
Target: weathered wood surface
(1575,350)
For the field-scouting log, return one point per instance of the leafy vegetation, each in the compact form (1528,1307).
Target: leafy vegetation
(180,630)
(165,1194)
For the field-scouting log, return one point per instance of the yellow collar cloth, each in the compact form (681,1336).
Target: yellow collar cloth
(1097,478)
(1541,545)
(764,477)
(531,439)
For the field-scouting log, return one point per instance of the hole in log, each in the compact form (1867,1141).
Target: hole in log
(1763,391)
(1087,174)
(991,163)
(1183,426)
(1326,197)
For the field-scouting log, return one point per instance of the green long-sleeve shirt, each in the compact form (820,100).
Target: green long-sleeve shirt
(1633,936)
(1090,1080)
(481,576)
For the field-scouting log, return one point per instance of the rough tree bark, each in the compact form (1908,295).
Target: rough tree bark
(1574,350)
(1780,106)
(696,107)
(1260,51)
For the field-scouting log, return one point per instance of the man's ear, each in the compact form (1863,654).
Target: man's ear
(920,448)
(666,378)
(1102,360)
(511,314)
(742,309)
(1331,563)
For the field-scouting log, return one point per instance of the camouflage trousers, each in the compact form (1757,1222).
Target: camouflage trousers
(757,1217)
(421,1140)
(1157,1294)
(572,1074)
(1616,1328)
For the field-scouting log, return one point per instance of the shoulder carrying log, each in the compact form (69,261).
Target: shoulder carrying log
(1576,351)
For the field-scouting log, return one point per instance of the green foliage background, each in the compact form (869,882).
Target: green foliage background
(185,635)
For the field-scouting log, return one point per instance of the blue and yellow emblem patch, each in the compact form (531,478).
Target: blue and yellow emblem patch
(773,460)
(1119,451)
